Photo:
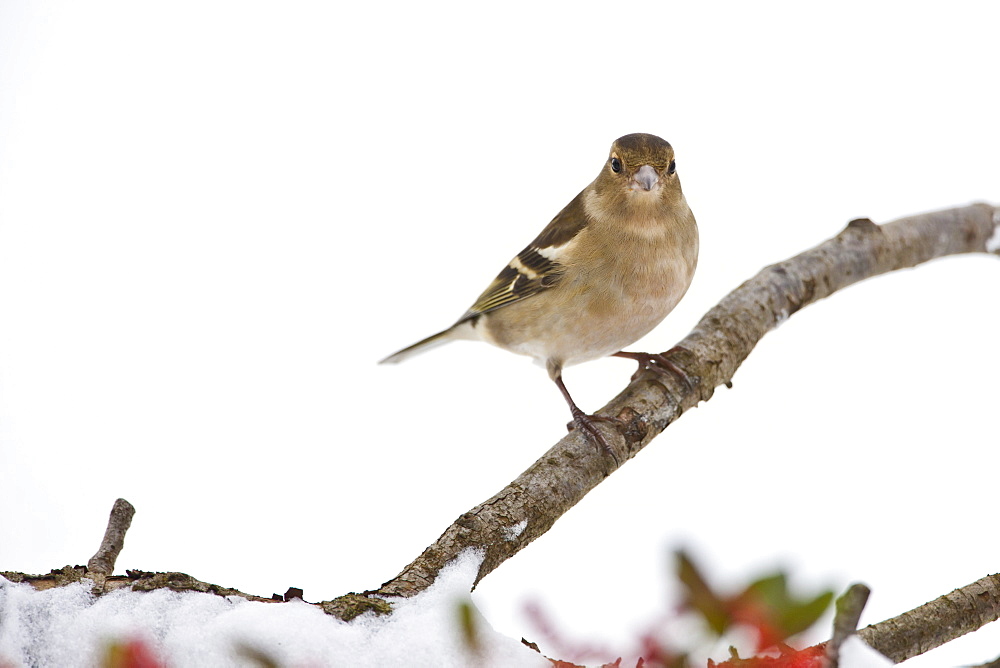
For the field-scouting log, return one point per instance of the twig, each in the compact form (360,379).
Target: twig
(103,562)
(845,621)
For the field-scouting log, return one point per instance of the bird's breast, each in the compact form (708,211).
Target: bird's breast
(604,302)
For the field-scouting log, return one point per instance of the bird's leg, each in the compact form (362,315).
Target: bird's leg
(659,363)
(585,422)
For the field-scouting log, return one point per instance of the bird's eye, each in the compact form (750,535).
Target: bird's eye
(672,167)
(616,165)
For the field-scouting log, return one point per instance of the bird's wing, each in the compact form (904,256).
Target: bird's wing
(537,267)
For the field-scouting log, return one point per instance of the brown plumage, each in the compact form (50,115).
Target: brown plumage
(607,269)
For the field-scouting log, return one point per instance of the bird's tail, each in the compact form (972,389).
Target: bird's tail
(461,330)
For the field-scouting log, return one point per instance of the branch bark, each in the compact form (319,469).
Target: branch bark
(524,510)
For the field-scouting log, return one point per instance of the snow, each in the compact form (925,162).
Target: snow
(512,532)
(854,653)
(993,243)
(67,627)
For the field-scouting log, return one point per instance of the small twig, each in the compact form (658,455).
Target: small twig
(103,563)
(845,621)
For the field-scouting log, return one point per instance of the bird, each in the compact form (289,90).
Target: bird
(601,275)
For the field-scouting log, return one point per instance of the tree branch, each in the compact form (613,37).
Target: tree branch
(938,622)
(711,354)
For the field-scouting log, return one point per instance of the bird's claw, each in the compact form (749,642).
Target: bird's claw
(659,363)
(585,423)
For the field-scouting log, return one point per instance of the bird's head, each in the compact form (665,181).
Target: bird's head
(640,173)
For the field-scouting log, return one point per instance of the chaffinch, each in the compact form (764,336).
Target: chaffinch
(607,269)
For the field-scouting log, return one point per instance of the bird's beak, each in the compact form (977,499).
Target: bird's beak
(645,178)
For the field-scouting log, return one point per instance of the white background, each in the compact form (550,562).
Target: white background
(216,217)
